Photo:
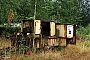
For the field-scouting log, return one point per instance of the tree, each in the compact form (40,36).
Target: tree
(10,17)
(64,11)
(5,7)
(69,12)
(85,11)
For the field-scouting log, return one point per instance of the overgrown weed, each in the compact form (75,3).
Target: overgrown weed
(79,51)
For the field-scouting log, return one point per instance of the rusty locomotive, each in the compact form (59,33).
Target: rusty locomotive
(45,34)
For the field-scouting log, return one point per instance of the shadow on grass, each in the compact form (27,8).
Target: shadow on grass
(53,49)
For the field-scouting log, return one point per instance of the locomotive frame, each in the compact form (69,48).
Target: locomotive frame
(46,34)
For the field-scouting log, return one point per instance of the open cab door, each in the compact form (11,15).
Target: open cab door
(71,34)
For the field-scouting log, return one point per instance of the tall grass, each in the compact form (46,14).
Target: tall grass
(4,42)
(80,51)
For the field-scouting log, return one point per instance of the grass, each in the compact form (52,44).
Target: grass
(80,51)
(5,42)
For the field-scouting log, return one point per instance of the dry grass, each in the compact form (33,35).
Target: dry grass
(80,51)
(5,42)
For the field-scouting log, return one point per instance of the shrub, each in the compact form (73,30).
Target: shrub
(83,32)
(11,30)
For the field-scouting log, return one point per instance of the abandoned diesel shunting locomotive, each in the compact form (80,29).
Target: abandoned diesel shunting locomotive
(45,34)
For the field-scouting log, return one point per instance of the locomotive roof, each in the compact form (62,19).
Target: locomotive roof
(65,24)
(50,21)
(41,20)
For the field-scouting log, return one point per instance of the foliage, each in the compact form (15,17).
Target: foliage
(11,30)
(23,47)
(85,11)
(64,11)
(84,32)
(79,51)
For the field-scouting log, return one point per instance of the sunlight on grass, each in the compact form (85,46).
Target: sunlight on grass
(80,51)
(84,46)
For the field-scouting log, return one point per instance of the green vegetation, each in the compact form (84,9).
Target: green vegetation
(80,51)
(64,11)
(11,30)
(84,32)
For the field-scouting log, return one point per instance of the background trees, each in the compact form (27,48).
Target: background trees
(63,11)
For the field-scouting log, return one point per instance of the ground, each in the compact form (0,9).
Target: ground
(80,51)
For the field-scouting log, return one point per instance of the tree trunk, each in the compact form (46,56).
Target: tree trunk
(35,10)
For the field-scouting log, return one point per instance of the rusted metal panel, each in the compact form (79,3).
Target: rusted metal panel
(37,26)
(60,30)
(71,34)
(27,24)
(62,41)
(38,44)
(69,31)
(52,41)
(52,28)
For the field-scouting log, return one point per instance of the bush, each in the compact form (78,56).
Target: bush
(11,30)
(83,32)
